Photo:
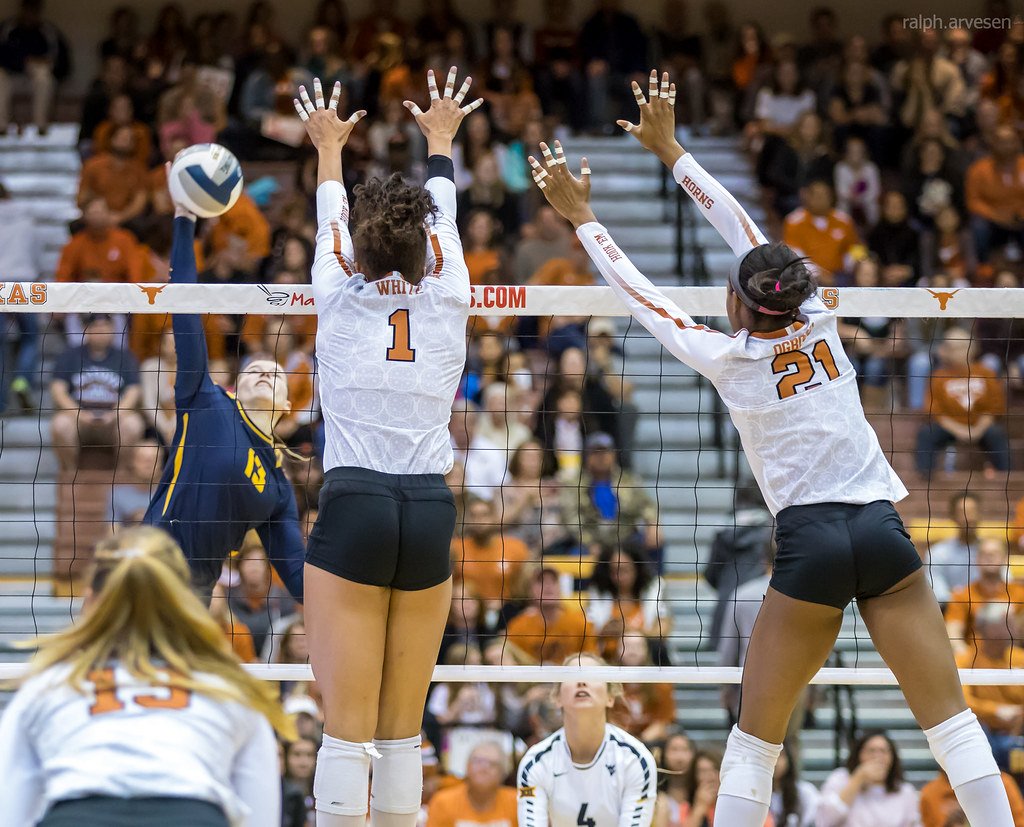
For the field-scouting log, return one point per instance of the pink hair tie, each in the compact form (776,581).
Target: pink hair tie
(778,286)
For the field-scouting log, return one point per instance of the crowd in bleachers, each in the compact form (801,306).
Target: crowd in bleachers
(889,162)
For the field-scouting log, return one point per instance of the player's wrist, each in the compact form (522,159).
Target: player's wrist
(581,216)
(439,145)
(669,153)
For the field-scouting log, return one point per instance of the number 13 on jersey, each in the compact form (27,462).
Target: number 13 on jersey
(798,369)
(401,350)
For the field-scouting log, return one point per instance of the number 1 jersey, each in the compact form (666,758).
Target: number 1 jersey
(390,353)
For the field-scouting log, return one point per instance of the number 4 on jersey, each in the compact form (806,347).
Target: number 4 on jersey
(400,350)
(582,819)
(798,369)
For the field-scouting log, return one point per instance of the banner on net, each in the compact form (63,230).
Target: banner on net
(489,300)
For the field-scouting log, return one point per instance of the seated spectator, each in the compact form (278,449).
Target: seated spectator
(100,251)
(117,177)
(34,49)
(530,501)
(467,622)
(612,47)
(485,560)
(990,587)
(926,80)
(475,141)
(858,184)
(1001,84)
(791,161)
(965,402)
(1000,709)
(546,237)
(181,121)
(482,798)
(499,421)
(938,802)
(463,704)
(482,251)
(552,626)
(560,427)
(257,602)
(932,184)
(485,463)
(951,561)
(245,221)
(300,768)
(933,127)
(677,753)
(627,598)
(822,233)
(948,247)
(971,63)
(291,645)
(129,498)
(95,389)
(703,780)
(647,709)
(1001,341)
(895,45)
(896,243)
(487,191)
(607,507)
(869,791)
(122,114)
(557,66)
(995,194)
(780,103)
(234,630)
(20,260)
(857,108)
(573,270)
(794,800)
(870,343)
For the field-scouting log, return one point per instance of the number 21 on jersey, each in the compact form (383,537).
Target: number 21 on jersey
(798,369)
(400,350)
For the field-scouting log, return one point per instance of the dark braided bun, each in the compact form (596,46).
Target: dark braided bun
(776,265)
(390,233)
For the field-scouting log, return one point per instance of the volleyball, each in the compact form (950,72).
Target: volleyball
(205,179)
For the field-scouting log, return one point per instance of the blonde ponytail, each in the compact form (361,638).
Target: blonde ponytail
(144,615)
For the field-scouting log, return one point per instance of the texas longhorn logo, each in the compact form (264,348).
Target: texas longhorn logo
(943,298)
(151,291)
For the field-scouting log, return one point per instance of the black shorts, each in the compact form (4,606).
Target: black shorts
(392,530)
(831,553)
(108,811)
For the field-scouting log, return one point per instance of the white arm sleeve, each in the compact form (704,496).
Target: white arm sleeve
(22,799)
(255,777)
(718,206)
(533,795)
(696,345)
(334,256)
(445,260)
(640,793)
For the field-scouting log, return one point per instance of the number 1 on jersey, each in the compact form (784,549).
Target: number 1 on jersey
(400,351)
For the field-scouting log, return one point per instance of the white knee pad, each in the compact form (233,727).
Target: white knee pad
(961,748)
(748,766)
(341,785)
(398,776)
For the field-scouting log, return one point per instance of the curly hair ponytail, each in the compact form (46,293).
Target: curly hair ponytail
(389,227)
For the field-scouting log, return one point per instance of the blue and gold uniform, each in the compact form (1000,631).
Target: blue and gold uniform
(224,476)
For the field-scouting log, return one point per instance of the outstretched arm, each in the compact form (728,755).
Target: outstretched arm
(334,256)
(691,343)
(189,335)
(656,133)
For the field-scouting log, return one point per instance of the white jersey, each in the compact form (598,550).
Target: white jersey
(617,789)
(792,394)
(390,353)
(130,739)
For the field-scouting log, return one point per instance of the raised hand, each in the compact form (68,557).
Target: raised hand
(656,131)
(569,195)
(442,119)
(325,129)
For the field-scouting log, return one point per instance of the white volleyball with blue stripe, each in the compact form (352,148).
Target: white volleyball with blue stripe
(205,179)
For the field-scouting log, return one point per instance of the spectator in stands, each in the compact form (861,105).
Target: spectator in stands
(677,753)
(300,767)
(780,104)
(965,402)
(498,433)
(822,233)
(990,587)
(627,598)
(481,798)
(969,61)
(112,80)
(938,802)
(487,191)
(995,194)
(482,250)
(551,627)
(926,80)
(608,507)
(257,602)
(896,242)
(648,709)
(121,113)
(869,791)
(246,221)
(858,184)
(130,498)
(821,55)
(34,49)
(896,44)
(485,560)
(1001,83)
(932,185)
(999,708)
(857,108)
(234,630)
(123,38)
(951,561)
(116,177)
(557,65)
(794,800)
(933,127)
(547,238)
(788,163)
(1001,341)
(467,622)
(949,248)
(20,249)
(614,51)
(750,64)
(703,780)
(95,389)
(680,50)
(530,501)
(100,251)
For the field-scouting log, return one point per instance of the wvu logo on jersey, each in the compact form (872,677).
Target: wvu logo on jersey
(527,792)
(610,768)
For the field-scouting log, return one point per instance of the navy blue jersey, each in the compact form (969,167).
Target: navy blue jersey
(224,476)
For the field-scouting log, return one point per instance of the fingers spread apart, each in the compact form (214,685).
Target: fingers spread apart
(664,86)
(449,85)
(335,96)
(356,117)
(539,173)
(432,85)
(652,85)
(640,100)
